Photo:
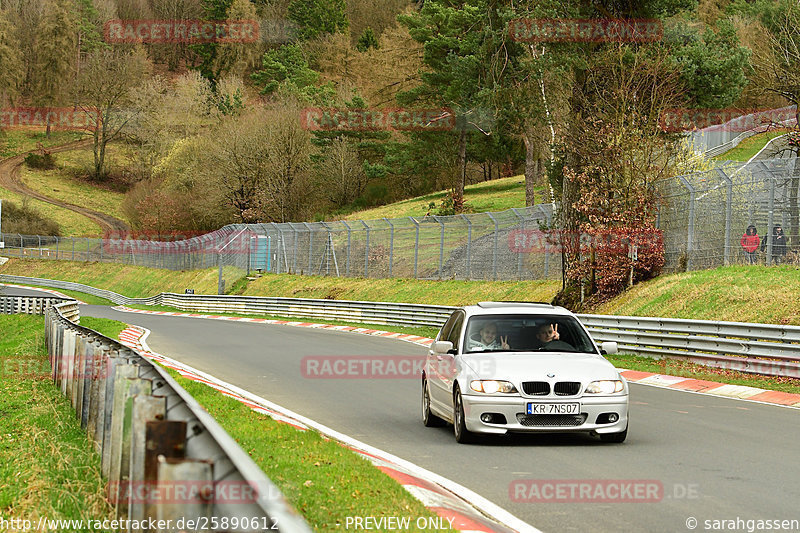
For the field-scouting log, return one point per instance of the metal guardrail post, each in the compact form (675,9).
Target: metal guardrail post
(366,251)
(416,245)
(391,245)
(690,231)
(441,245)
(519,255)
(469,244)
(310,247)
(494,249)
(770,219)
(347,259)
(546,244)
(728,214)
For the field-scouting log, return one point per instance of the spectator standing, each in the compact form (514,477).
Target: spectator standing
(778,244)
(750,241)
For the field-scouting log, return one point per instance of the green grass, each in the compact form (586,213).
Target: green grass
(69,222)
(494,195)
(747,293)
(15,142)
(104,326)
(322,480)
(136,282)
(48,467)
(62,184)
(676,367)
(749,147)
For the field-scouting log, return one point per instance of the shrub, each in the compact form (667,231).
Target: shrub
(43,161)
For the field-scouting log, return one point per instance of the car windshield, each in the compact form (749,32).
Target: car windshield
(526,333)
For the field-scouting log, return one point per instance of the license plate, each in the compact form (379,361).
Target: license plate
(554,408)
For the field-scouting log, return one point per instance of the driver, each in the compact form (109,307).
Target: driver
(487,339)
(550,339)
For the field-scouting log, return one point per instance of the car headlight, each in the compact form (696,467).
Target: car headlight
(490,386)
(605,387)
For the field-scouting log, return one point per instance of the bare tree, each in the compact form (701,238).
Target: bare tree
(340,175)
(105,91)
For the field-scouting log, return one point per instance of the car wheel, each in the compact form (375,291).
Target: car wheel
(428,418)
(463,435)
(614,437)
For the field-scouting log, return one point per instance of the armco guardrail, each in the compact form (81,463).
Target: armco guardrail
(756,348)
(165,458)
(36,305)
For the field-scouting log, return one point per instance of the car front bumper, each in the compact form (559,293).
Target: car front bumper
(514,410)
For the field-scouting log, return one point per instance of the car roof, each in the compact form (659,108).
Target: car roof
(522,308)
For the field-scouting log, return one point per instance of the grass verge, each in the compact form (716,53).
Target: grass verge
(138,282)
(47,466)
(674,367)
(749,147)
(747,293)
(321,479)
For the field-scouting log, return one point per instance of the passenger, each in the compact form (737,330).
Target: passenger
(486,339)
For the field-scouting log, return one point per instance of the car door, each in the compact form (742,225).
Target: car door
(442,386)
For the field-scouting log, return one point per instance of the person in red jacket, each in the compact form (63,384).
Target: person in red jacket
(750,241)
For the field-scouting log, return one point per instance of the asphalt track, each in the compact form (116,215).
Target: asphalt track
(716,458)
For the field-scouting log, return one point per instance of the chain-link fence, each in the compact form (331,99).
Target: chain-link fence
(703,218)
(705,215)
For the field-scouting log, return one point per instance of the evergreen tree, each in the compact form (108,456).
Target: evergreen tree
(55,50)
(367,40)
(12,72)
(318,17)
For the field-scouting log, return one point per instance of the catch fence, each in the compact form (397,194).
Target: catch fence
(702,216)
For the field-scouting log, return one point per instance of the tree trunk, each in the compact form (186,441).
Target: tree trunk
(794,208)
(462,168)
(531,166)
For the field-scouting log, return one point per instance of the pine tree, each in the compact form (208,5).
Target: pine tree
(55,55)
(367,40)
(318,17)
(12,72)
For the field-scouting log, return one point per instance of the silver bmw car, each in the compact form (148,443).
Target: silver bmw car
(500,367)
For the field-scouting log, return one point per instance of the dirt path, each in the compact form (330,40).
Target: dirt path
(10,179)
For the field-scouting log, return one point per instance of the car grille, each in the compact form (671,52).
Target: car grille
(567,388)
(536,388)
(551,420)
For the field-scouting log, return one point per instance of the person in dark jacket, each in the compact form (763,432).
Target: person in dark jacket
(778,244)
(750,241)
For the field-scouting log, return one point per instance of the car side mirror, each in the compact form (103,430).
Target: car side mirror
(608,348)
(442,347)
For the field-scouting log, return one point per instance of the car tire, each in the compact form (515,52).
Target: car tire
(462,434)
(614,437)
(428,418)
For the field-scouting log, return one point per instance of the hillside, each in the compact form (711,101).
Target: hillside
(493,195)
(736,293)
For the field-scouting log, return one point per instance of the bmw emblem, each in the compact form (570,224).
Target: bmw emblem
(551,375)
